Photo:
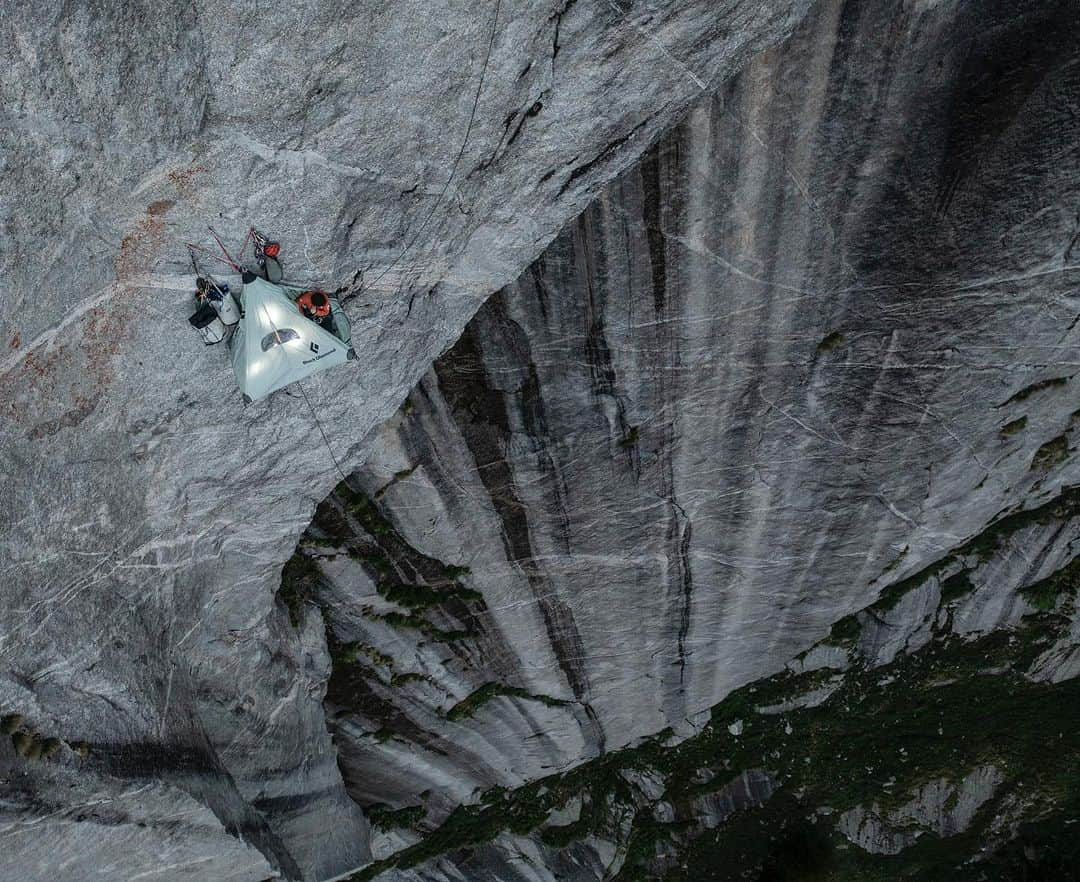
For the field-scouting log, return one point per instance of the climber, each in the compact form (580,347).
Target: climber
(315,305)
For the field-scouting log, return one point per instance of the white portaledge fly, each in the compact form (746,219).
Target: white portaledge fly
(275,344)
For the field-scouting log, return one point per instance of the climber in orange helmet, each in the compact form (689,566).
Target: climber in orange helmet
(315,305)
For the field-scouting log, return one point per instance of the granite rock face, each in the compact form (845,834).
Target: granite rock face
(939,807)
(816,339)
(861,753)
(819,337)
(772,373)
(418,156)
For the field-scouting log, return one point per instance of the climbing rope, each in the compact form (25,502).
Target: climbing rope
(191,246)
(322,432)
(457,160)
(415,237)
(247,239)
(225,250)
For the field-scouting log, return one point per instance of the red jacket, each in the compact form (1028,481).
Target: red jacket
(309,308)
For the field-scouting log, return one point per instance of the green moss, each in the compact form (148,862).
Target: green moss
(645,837)
(848,749)
(415,622)
(403,620)
(1043,849)
(387,818)
(986,543)
(50,747)
(10,723)
(398,476)
(1045,593)
(845,632)
(298,578)
(952,587)
(560,837)
(454,572)
(830,341)
(365,511)
(1051,453)
(81,748)
(892,595)
(1015,426)
(378,562)
(956,586)
(631,437)
(1028,391)
(407,677)
(351,653)
(419,597)
(938,705)
(471,703)
(468,826)
(802,850)
(895,562)
(843,752)
(386,555)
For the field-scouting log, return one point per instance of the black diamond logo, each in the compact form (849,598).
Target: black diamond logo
(314,346)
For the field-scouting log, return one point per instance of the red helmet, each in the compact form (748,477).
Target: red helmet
(271,249)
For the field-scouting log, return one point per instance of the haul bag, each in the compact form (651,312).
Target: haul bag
(206,322)
(224,305)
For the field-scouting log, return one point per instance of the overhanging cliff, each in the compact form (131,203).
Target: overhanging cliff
(419,155)
(816,340)
(775,370)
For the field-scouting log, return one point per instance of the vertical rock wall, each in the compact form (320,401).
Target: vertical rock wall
(822,334)
(418,155)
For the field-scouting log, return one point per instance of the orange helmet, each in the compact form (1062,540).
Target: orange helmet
(315,302)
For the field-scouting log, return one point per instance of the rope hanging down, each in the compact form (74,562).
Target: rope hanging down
(322,432)
(457,160)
